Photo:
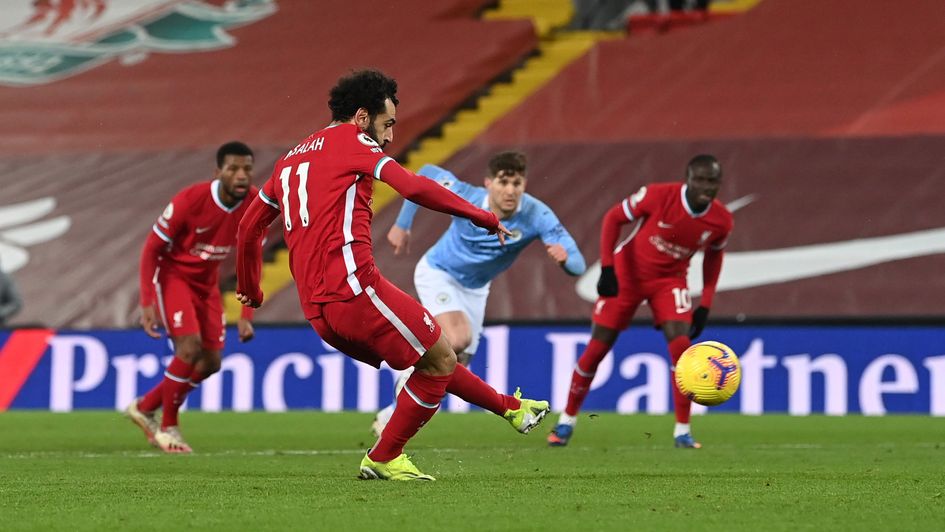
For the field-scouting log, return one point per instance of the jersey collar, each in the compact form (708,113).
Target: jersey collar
(685,204)
(215,192)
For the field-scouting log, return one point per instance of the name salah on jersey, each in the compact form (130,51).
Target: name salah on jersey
(317,143)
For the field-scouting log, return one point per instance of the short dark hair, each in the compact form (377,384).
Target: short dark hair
(508,163)
(232,148)
(704,161)
(367,88)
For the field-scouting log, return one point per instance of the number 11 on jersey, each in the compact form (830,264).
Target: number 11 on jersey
(302,172)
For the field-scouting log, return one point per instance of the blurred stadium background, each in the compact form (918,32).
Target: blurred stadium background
(829,120)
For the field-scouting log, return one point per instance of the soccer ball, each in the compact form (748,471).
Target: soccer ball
(708,373)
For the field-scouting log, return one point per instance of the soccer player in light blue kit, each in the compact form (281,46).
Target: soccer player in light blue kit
(453,277)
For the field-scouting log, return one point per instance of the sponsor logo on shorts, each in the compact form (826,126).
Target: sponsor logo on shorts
(442,298)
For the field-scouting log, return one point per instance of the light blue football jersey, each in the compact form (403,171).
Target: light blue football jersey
(474,257)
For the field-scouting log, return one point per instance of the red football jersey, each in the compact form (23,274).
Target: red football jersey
(669,232)
(323,187)
(200,232)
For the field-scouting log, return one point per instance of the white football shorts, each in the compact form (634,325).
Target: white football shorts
(439,292)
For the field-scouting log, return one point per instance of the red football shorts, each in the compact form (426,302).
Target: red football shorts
(187,309)
(668,297)
(381,324)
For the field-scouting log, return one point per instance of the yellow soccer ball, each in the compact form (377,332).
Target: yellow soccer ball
(708,373)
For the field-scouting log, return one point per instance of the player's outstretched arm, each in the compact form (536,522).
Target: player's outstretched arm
(433,196)
(399,234)
(257,218)
(559,244)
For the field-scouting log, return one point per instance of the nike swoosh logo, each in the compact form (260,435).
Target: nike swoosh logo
(662,225)
(201,230)
(19,229)
(747,269)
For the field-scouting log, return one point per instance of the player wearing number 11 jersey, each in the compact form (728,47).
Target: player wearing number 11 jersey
(674,221)
(323,190)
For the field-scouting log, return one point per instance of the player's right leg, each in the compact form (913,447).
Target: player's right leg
(457,329)
(611,315)
(384,324)
(175,387)
(460,312)
(417,402)
(175,302)
(457,309)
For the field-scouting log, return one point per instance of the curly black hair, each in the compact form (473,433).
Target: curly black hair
(232,148)
(367,88)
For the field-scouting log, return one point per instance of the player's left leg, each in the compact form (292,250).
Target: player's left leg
(212,337)
(174,389)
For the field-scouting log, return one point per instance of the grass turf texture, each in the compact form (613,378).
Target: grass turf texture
(94,471)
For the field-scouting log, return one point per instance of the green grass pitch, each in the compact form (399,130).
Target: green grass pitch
(296,471)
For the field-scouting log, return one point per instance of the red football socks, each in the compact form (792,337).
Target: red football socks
(681,404)
(416,404)
(470,388)
(175,387)
(584,374)
(152,400)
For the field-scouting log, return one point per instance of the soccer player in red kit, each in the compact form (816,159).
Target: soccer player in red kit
(675,220)
(180,265)
(323,188)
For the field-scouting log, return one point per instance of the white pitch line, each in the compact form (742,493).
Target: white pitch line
(330,452)
(154,454)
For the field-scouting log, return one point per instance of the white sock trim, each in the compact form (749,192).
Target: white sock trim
(565,419)
(420,401)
